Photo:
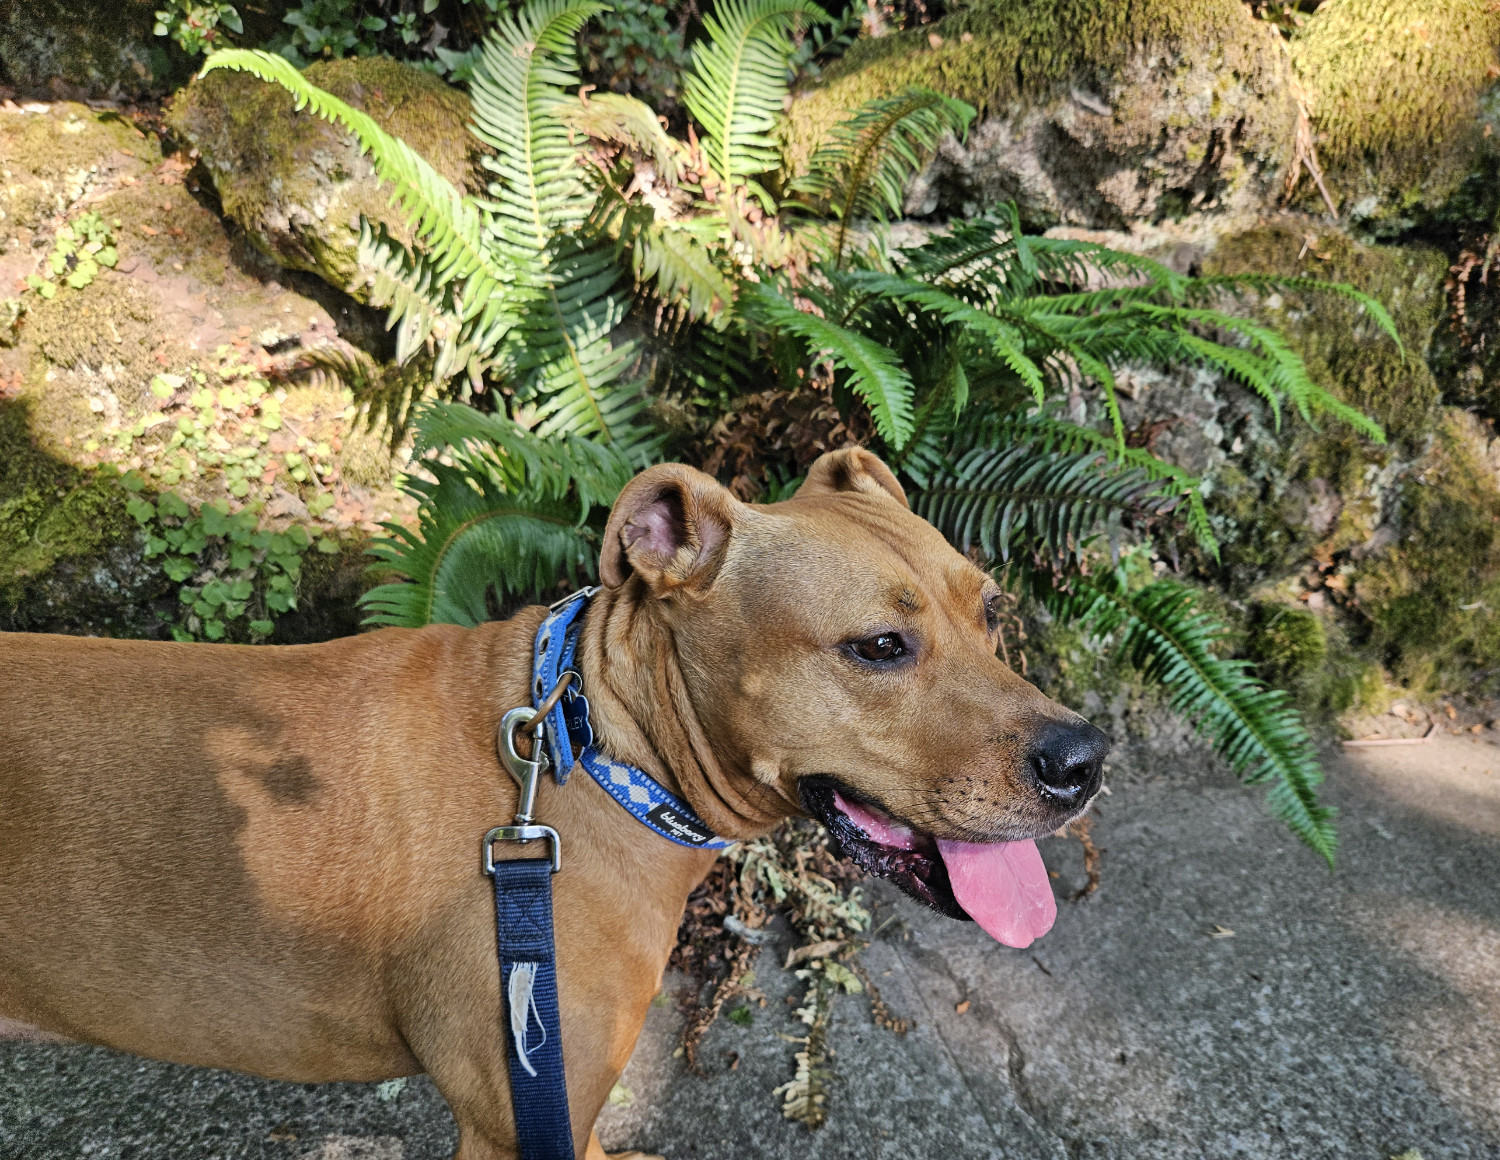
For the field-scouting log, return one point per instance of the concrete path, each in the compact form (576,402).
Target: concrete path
(1352,1016)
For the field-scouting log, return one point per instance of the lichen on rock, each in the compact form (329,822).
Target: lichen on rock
(1099,114)
(297,184)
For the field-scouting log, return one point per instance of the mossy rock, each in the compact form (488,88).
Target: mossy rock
(87,48)
(1093,112)
(1285,495)
(1346,351)
(297,184)
(70,555)
(1287,642)
(1394,88)
(1433,596)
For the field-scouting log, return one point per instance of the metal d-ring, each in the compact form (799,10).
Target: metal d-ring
(522,834)
(550,703)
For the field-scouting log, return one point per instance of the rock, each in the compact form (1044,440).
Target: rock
(297,184)
(87,48)
(1397,542)
(1395,92)
(1103,115)
(98,377)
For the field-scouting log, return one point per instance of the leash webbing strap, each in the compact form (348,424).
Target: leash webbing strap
(528,984)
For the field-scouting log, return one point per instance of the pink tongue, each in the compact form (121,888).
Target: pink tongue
(1004,888)
(1002,885)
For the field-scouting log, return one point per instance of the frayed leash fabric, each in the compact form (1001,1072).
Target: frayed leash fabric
(520,993)
(528,980)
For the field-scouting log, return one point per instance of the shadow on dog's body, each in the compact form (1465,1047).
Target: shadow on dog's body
(267,859)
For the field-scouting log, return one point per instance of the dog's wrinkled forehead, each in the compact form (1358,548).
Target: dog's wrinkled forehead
(853,552)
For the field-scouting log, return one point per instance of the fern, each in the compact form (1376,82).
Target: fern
(739,85)
(1255,729)
(874,372)
(861,171)
(626,121)
(997,498)
(473,537)
(1052,434)
(520,81)
(683,270)
(506,514)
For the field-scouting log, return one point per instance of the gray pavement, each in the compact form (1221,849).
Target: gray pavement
(1352,1015)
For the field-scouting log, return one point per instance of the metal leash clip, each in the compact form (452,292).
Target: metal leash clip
(527,772)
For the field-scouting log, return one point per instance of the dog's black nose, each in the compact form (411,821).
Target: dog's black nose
(1068,761)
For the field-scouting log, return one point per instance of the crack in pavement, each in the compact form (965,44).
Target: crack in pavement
(1026,1102)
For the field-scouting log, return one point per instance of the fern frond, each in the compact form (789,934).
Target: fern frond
(528,63)
(523,460)
(501,509)
(875,373)
(1045,502)
(626,121)
(447,225)
(739,84)
(563,357)
(473,537)
(1255,729)
(683,269)
(1271,283)
(1055,434)
(862,170)
(1007,344)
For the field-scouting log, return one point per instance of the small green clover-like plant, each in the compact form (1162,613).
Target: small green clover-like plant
(195,26)
(79,249)
(218,423)
(235,577)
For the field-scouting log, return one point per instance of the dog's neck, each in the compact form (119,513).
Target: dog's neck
(643,713)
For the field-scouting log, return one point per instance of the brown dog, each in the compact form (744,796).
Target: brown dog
(267,858)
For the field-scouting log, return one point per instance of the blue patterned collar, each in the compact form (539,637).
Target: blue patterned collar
(570,736)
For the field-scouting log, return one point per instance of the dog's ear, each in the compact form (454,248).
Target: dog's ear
(853,469)
(671,527)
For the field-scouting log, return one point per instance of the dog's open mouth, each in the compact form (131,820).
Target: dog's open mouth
(1003,886)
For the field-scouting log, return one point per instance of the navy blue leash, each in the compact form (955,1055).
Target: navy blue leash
(528,979)
(523,887)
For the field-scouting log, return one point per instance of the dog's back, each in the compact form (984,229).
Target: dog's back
(174,818)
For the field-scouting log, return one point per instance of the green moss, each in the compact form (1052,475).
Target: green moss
(1394,88)
(1287,642)
(1434,599)
(108,322)
(994,53)
(428,114)
(106,49)
(47,157)
(168,226)
(83,342)
(53,515)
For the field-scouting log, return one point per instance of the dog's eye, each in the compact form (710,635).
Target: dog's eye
(886,646)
